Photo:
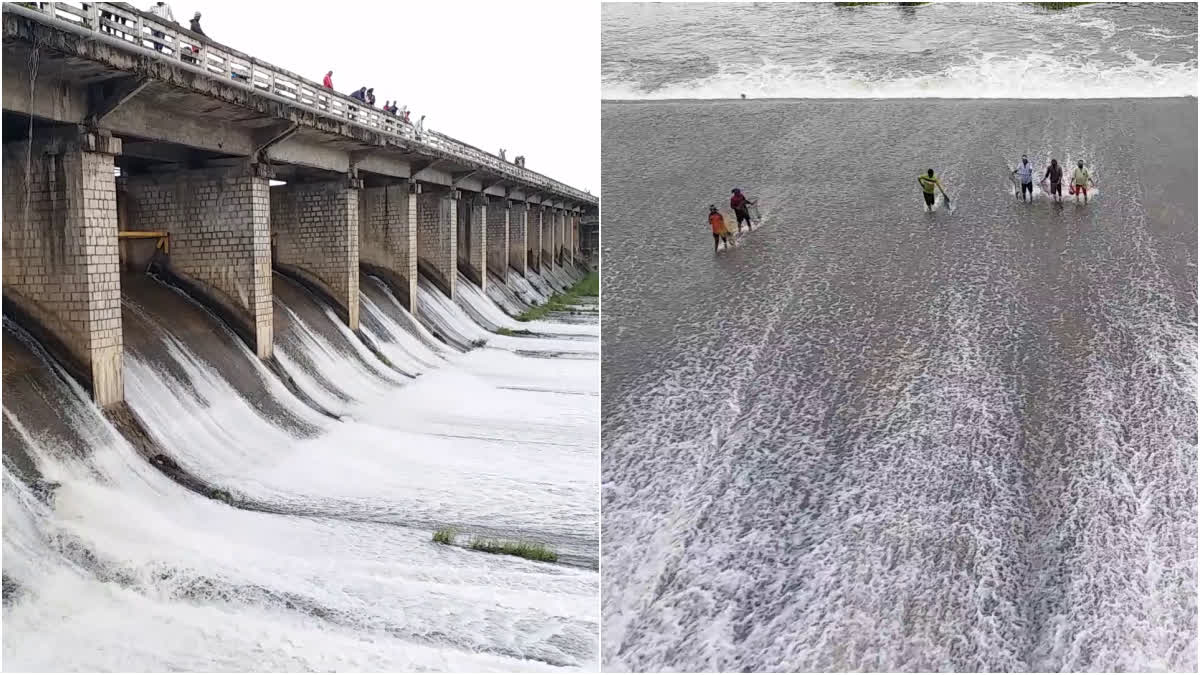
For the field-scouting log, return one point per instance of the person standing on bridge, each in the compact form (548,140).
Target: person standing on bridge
(328,80)
(196,24)
(163,11)
(370,98)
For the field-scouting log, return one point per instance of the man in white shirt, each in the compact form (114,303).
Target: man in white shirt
(1024,171)
(163,11)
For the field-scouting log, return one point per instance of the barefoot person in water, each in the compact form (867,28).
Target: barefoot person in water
(928,184)
(719,230)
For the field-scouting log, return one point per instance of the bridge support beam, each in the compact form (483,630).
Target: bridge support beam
(315,231)
(518,231)
(219,226)
(437,235)
(498,215)
(472,239)
(60,251)
(387,239)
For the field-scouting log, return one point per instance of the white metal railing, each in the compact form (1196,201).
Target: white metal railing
(123,22)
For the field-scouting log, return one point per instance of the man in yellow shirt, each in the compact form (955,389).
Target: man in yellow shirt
(928,184)
(1080,181)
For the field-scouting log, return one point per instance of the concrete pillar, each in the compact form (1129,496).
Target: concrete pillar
(61,264)
(218,222)
(572,236)
(315,228)
(575,237)
(518,230)
(533,238)
(387,240)
(437,235)
(498,215)
(547,237)
(560,252)
(472,238)
(552,237)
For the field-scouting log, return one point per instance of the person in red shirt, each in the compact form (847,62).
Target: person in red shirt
(741,206)
(328,80)
(719,230)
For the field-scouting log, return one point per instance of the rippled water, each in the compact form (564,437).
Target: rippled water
(329,564)
(950,50)
(874,438)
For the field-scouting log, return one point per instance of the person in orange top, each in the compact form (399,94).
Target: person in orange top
(719,230)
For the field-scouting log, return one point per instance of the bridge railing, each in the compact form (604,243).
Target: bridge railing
(172,42)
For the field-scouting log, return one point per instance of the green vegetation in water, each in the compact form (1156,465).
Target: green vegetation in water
(561,302)
(521,549)
(445,536)
(509,331)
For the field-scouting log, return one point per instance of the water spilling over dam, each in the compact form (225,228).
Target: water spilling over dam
(322,558)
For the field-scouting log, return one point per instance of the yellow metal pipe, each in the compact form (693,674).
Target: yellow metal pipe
(162,242)
(140,234)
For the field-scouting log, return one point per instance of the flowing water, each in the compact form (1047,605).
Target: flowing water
(875,438)
(340,479)
(949,50)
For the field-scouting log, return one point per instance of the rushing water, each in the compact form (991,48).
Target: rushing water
(875,438)
(952,50)
(329,563)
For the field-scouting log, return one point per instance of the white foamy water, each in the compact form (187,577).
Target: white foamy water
(943,50)
(479,302)
(1027,76)
(335,568)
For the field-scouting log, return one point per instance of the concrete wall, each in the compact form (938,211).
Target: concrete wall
(387,240)
(219,227)
(497,238)
(472,238)
(437,237)
(315,232)
(60,250)
(518,230)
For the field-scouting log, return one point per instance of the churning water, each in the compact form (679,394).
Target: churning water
(875,438)
(340,477)
(949,50)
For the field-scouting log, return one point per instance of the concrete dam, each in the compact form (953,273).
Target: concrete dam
(260,344)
